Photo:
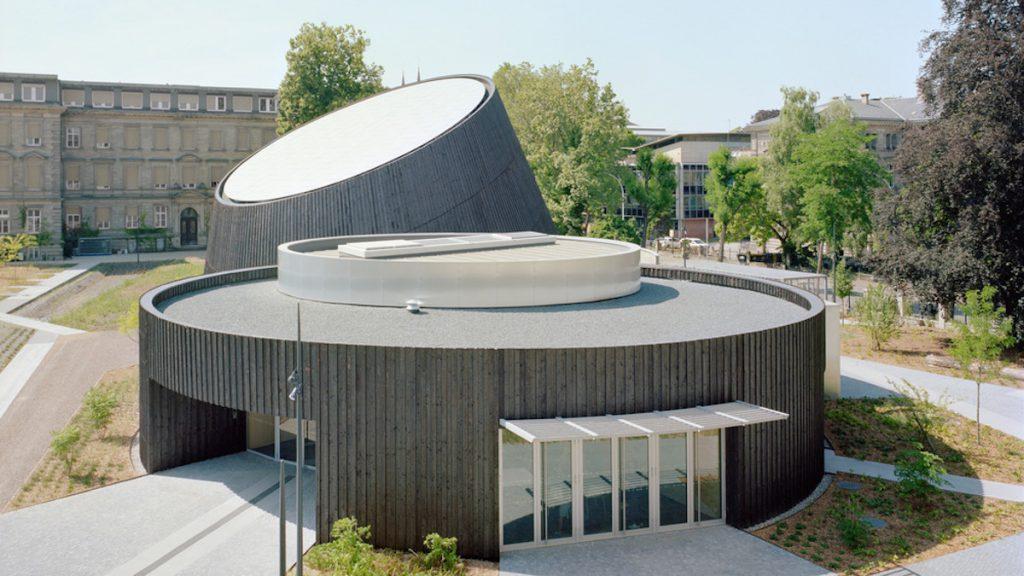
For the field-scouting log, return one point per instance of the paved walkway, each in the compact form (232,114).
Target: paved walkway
(30,293)
(962,484)
(713,551)
(1003,557)
(51,396)
(1002,407)
(219,517)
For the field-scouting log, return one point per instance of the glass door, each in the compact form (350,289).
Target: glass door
(709,475)
(672,479)
(597,479)
(556,499)
(634,483)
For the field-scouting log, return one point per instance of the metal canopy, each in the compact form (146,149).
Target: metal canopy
(714,417)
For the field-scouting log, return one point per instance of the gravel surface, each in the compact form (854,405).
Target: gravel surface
(662,311)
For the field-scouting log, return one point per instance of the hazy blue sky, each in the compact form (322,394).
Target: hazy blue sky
(683,65)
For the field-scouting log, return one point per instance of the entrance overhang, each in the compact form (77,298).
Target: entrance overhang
(715,417)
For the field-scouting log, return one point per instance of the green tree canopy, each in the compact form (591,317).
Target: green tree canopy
(573,131)
(615,228)
(653,186)
(734,191)
(326,70)
(957,221)
(837,175)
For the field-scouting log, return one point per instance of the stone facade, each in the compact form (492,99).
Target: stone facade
(108,157)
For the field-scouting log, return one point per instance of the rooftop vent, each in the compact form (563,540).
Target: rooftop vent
(864,97)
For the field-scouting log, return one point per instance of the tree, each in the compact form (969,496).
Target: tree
(99,407)
(837,175)
(957,221)
(878,315)
(326,71)
(653,186)
(12,245)
(762,115)
(980,339)
(615,228)
(842,281)
(65,445)
(733,187)
(573,131)
(783,212)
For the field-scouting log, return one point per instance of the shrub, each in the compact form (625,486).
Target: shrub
(65,445)
(854,532)
(99,407)
(441,552)
(878,315)
(348,552)
(919,472)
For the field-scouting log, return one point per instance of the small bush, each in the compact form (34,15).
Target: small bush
(99,407)
(878,315)
(854,532)
(65,445)
(919,472)
(441,552)
(348,552)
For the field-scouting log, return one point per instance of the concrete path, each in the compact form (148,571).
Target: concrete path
(219,517)
(38,325)
(712,551)
(51,396)
(1002,407)
(1003,557)
(32,292)
(18,371)
(962,484)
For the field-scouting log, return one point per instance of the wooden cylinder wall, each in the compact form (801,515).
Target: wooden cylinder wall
(472,178)
(408,437)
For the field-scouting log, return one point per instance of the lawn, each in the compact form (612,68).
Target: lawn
(14,277)
(105,455)
(877,429)
(916,529)
(110,309)
(909,349)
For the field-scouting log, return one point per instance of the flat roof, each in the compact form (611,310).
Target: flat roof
(354,139)
(552,248)
(662,311)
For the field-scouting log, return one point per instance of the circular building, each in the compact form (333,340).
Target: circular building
(512,390)
(437,155)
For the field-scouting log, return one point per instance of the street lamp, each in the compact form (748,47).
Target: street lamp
(295,380)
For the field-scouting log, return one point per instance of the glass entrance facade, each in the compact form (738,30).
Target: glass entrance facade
(571,490)
(277,437)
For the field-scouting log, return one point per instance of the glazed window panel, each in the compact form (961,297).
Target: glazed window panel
(709,475)
(102,175)
(634,484)
(131,100)
(102,99)
(160,138)
(672,478)
(598,499)
(556,501)
(131,176)
(33,221)
(241,103)
(34,173)
(516,489)
(131,137)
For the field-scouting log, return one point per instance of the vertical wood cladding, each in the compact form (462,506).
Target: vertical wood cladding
(408,436)
(472,178)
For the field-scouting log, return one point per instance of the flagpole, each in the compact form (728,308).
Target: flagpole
(300,445)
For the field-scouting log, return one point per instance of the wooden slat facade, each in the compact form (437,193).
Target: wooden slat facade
(472,178)
(408,437)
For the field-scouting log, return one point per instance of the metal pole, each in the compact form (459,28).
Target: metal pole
(300,447)
(282,510)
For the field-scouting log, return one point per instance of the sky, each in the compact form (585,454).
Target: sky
(681,65)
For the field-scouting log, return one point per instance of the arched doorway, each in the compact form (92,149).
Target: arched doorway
(189,227)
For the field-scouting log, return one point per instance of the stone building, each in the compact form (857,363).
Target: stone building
(105,158)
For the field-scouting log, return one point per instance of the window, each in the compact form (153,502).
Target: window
(160,138)
(72,176)
(5,221)
(268,104)
(131,221)
(672,479)
(102,218)
(217,172)
(892,141)
(73,98)
(34,173)
(102,99)
(633,483)
(7,91)
(131,137)
(188,102)
(73,137)
(516,489)
(189,175)
(102,175)
(241,103)
(188,138)
(33,132)
(6,172)
(73,221)
(131,100)
(556,501)
(5,132)
(160,176)
(216,139)
(216,103)
(708,457)
(160,216)
(33,92)
(102,137)
(242,139)
(873,143)
(33,221)
(597,489)
(131,176)
(160,101)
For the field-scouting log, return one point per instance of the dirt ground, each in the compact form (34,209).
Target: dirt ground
(84,288)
